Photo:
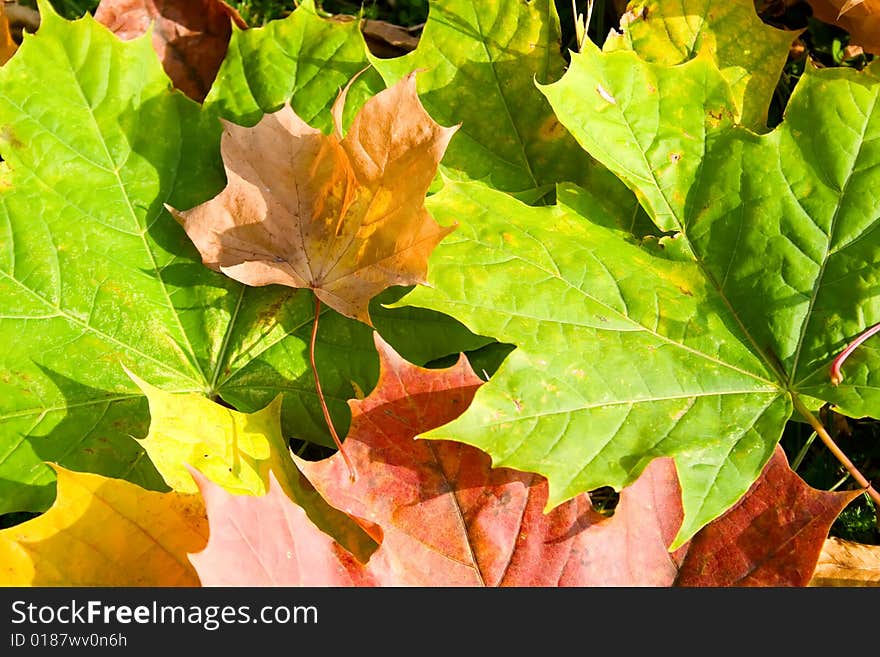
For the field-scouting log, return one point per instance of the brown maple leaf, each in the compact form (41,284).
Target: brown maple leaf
(861,18)
(190,36)
(847,563)
(343,216)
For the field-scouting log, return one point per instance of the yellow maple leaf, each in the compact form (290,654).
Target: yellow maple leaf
(106,532)
(235,451)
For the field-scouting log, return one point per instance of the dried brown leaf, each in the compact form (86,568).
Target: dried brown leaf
(343,216)
(847,563)
(861,18)
(387,40)
(189,36)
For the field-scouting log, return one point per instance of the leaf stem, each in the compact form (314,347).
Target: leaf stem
(836,375)
(840,482)
(801,454)
(581,29)
(351,473)
(838,453)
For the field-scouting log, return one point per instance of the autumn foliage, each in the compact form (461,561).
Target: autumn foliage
(526,280)
(340,215)
(439,514)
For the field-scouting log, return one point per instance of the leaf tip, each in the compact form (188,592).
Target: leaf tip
(411,78)
(449,132)
(274,406)
(174,212)
(387,354)
(145,387)
(201,481)
(360,314)
(45,8)
(339,104)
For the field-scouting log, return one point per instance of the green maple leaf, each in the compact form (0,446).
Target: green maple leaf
(88,278)
(479,63)
(750,53)
(698,347)
(782,224)
(96,275)
(304,59)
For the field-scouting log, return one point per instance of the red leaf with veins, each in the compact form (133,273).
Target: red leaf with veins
(442,514)
(444,517)
(443,511)
(772,537)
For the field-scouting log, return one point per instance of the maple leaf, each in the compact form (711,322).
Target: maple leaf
(861,18)
(343,216)
(105,532)
(444,517)
(588,398)
(750,53)
(189,37)
(626,352)
(7,43)
(772,536)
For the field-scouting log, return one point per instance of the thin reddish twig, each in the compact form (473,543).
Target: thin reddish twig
(324,408)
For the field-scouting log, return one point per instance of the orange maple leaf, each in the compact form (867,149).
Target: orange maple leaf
(861,18)
(343,216)
(8,46)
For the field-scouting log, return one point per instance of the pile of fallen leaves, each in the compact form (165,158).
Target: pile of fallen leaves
(253,240)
